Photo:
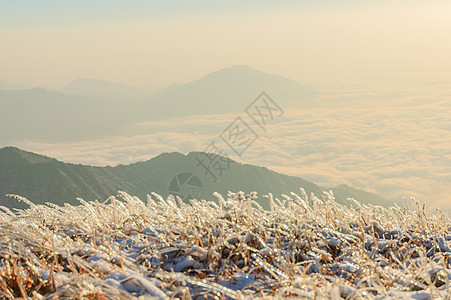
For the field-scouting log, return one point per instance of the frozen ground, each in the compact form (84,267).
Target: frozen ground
(304,247)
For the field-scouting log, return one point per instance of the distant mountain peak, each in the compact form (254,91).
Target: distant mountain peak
(95,87)
(239,70)
(242,68)
(226,90)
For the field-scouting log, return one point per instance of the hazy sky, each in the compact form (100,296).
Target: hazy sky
(147,43)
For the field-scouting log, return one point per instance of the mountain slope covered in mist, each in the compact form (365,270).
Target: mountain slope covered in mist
(88,108)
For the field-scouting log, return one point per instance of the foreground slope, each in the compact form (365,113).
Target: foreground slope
(305,248)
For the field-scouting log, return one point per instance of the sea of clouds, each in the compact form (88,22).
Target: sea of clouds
(386,134)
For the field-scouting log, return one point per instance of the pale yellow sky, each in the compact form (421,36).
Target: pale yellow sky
(295,41)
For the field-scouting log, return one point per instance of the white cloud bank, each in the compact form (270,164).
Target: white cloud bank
(397,149)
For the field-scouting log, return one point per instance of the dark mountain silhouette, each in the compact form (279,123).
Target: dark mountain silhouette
(43,179)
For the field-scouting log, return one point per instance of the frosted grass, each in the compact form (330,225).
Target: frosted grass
(303,247)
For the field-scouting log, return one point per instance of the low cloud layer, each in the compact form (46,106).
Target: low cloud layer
(398,149)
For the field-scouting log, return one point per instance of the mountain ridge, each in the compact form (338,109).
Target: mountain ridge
(43,179)
(54,116)
(95,87)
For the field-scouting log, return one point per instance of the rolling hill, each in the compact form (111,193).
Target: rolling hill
(43,179)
